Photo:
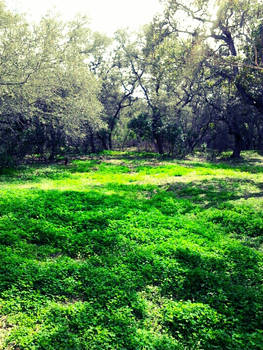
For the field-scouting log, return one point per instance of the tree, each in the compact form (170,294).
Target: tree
(118,83)
(170,85)
(227,45)
(47,91)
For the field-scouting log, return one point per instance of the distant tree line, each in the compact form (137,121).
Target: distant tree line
(191,79)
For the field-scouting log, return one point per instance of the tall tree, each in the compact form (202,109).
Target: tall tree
(118,83)
(46,87)
(171,86)
(227,43)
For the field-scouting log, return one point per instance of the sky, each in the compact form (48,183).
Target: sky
(106,15)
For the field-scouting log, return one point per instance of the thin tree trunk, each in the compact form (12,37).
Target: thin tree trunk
(92,143)
(159,144)
(110,141)
(156,125)
(237,146)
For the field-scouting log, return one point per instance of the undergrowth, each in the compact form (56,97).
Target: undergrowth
(128,251)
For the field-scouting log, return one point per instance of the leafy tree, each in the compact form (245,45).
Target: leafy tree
(226,36)
(117,85)
(171,86)
(47,91)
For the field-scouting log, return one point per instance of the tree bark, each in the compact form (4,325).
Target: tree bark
(159,144)
(92,143)
(156,124)
(110,141)
(237,146)
(91,139)
(103,139)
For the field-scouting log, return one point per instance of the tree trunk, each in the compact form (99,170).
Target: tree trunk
(103,139)
(53,147)
(156,125)
(159,144)
(110,141)
(237,146)
(92,143)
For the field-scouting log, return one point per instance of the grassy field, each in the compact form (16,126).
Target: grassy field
(127,251)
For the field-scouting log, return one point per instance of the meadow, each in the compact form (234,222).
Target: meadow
(128,251)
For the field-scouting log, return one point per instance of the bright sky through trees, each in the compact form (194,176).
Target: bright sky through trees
(106,15)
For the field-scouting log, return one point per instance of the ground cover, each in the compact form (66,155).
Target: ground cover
(130,251)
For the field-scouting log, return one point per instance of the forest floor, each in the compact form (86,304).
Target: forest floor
(128,251)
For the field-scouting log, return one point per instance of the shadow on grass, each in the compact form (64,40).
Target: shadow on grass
(214,192)
(242,166)
(38,173)
(98,164)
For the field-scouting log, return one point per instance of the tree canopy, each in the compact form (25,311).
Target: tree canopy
(191,76)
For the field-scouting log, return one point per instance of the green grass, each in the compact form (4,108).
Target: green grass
(129,251)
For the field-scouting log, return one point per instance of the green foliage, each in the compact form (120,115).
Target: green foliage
(48,93)
(120,252)
(141,125)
